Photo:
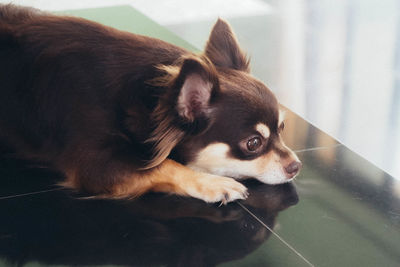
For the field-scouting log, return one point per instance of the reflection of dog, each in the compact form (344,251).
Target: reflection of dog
(116,112)
(152,230)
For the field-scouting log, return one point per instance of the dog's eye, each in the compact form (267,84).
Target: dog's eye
(253,144)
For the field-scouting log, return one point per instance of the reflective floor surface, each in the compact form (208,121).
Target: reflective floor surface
(340,211)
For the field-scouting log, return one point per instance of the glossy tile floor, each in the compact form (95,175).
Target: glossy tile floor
(341,211)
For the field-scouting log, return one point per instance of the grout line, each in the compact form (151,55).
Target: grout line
(31,193)
(275,234)
(317,148)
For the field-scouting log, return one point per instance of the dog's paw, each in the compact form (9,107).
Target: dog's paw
(212,188)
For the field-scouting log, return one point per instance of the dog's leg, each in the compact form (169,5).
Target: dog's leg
(172,177)
(169,177)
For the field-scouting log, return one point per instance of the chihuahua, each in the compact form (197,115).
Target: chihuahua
(120,114)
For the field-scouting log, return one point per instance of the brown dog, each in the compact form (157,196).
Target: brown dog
(121,114)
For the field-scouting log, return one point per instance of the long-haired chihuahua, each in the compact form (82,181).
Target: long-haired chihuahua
(122,114)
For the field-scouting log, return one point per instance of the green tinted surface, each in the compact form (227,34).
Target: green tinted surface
(342,224)
(129,19)
(271,253)
(333,228)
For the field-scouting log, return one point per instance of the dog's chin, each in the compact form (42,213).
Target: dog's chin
(275,176)
(275,180)
(272,178)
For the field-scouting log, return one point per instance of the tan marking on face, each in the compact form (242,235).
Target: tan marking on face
(267,168)
(263,130)
(291,156)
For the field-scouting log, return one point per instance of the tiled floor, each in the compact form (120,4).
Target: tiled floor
(340,211)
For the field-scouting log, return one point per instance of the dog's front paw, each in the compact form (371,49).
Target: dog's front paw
(212,188)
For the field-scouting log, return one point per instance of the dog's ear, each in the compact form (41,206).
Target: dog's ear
(223,49)
(198,84)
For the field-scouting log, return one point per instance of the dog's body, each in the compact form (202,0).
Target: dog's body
(116,112)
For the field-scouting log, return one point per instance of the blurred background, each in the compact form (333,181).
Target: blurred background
(334,63)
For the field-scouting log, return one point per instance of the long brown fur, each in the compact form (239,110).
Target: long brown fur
(83,97)
(120,114)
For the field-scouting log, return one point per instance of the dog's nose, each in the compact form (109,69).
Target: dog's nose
(293,168)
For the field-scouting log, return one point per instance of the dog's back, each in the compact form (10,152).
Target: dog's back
(64,75)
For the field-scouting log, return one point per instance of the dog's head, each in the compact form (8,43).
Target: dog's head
(229,123)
